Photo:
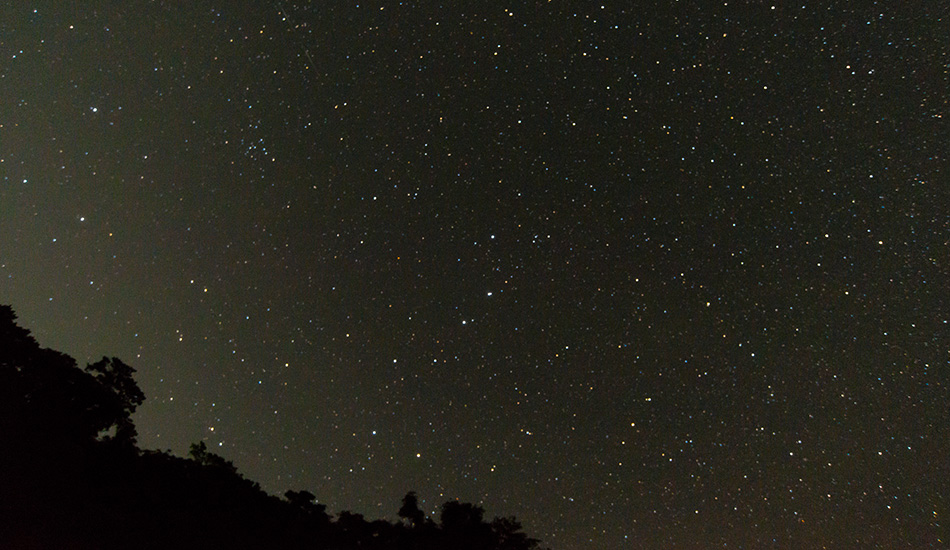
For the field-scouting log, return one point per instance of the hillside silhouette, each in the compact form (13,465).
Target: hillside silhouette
(73,477)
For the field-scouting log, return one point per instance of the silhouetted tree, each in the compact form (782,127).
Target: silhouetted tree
(52,464)
(122,398)
(199,453)
(352,530)
(463,526)
(461,515)
(45,399)
(306,503)
(508,535)
(410,510)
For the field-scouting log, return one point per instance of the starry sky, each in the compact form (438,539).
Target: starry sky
(644,274)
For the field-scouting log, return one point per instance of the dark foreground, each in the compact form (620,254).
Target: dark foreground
(72,477)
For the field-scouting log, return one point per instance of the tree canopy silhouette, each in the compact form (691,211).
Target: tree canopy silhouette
(410,510)
(72,476)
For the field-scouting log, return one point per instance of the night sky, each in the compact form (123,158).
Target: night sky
(667,276)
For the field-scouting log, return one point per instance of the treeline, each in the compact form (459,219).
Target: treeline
(73,477)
